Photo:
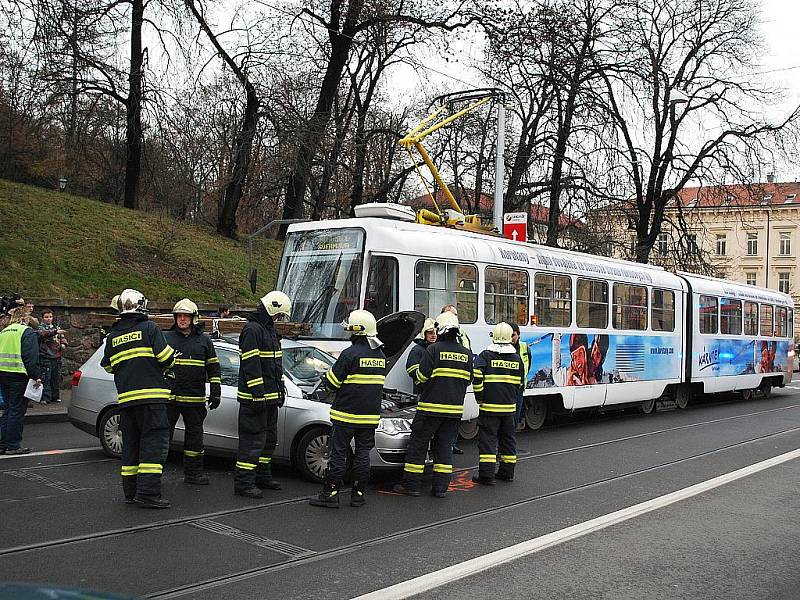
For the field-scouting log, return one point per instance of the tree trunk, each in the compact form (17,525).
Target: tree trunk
(133,136)
(360,150)
(240,167)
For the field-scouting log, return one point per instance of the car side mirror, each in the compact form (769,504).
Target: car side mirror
(253,279)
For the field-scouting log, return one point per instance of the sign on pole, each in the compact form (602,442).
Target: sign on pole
(515,226)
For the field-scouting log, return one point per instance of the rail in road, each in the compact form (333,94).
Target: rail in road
(713,437)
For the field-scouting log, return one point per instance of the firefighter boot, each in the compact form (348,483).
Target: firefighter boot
(264,478)
(193,470)
(328,497)
(358,494)
(483,480)
(151,501)
(408,487)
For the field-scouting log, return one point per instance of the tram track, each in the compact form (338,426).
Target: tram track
(336,552)
(190,519)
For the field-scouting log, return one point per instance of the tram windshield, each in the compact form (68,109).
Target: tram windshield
(321,272)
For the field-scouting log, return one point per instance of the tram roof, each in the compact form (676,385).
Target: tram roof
(702,284)
(414,239)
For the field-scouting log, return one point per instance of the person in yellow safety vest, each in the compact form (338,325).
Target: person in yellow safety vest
(19,361)
(524,352)
(357,377)
(138,355)
(499,374)
(446,371)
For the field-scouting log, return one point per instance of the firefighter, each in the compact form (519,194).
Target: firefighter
(446,371)
(425,338)
(138,355)
(357,378)
(195,361)
(499,373)
(261,393)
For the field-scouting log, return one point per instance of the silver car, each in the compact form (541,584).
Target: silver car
(303,421)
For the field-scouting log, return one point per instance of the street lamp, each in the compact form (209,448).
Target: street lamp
(62,183)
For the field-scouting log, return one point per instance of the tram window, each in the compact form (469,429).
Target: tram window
(730,316)
(767,318)
(630,306)
(506,296)
(552,300)
(709,314)
(382,282)
(591,303)
(662,310)
(781,325)
(750,318)
(441,283)
(790,321)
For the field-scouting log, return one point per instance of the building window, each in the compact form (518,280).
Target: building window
(506,296)
(662,244)
(691,242)
(630,307)
(591,304)
(752,244)
(785,244)
(440,283)
(783,282)
(709,314)
(730,316)
(552,300)
(750,318)
(750,278)
(662,310)
(722,244)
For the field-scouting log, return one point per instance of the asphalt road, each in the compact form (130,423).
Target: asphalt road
(63,521)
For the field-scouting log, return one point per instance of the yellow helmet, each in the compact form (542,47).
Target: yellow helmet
(502,332)
(115,303)
(277,303)
(361,322)
(187,307)
(445,322)
(429,325)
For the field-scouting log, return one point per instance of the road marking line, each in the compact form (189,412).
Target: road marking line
(436,579)
(50,452)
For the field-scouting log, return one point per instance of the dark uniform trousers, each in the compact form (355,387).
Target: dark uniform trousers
(145,434)
(339,446)
(193,417)
(258,436)
(440,430)
(494,429)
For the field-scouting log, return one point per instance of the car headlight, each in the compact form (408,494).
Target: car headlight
(394,426)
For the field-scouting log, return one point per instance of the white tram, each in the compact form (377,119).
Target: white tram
(602,332)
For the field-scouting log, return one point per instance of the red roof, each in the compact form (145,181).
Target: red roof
(741,195)
(537,214)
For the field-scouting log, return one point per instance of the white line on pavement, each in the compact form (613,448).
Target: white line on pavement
(436,579)
(51,452)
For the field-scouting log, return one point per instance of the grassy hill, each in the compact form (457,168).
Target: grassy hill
(54,244)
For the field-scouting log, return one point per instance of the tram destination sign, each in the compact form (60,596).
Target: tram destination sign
(515,226)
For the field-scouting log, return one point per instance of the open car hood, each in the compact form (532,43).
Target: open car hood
(397,331)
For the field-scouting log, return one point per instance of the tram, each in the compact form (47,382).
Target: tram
(602,332)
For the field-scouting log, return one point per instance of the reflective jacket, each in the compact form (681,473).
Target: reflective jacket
(446,371)
(357,376)
(137,354)
(524,351)
(19,352)
(412,364)
(498,379)
(195,361)
(261,368)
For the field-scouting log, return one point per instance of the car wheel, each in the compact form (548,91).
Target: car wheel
(311,455)
(467,430)
(110,434)
(536,413)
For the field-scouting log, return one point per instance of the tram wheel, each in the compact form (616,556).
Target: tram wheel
(746,394)
(468,429)
(681,398)
(536,413)
(648,406)
(766,390)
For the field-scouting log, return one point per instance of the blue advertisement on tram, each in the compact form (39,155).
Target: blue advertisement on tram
(721,357)
(580,359)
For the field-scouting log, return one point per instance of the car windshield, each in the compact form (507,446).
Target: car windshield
(303,364)
(321,272)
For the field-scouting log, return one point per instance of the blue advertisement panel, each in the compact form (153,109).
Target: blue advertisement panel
(577,359)
(721,357)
